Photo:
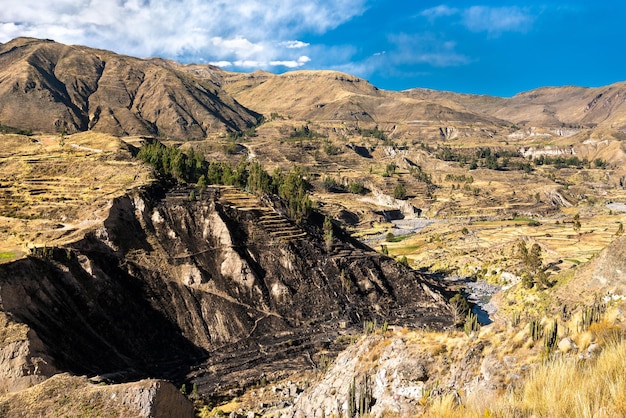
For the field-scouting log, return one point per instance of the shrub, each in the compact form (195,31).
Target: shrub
(356,187)
(459,307)
(390,170)
(399,192)
(327,227)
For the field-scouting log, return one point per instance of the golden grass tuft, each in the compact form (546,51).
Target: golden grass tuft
(564,387)
(577,388)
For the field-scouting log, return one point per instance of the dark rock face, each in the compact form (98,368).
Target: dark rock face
(224,284)
(51,87)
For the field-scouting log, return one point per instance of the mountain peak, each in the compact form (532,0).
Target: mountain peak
(69,89)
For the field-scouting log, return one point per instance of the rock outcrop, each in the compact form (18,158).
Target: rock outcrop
(23,358)
(66,395)
(223,285)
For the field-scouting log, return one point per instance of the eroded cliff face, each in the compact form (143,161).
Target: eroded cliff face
(206,290)
(24,361)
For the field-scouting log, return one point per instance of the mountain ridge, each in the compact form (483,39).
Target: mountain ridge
(68,88)
(51,87)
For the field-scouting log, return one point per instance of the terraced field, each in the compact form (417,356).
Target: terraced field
(276,225)
(53,189)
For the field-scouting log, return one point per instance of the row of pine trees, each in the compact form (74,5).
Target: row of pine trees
(191,167)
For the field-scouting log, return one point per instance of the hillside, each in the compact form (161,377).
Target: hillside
(239,290)
(339,98)
(553,107)
(49,87)
(61,88)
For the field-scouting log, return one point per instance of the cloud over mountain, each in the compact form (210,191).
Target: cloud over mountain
(247,32)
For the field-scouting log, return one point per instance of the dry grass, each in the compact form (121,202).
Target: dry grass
(570,388)
(564,387)
(573,384)
(53,189)
(69,396)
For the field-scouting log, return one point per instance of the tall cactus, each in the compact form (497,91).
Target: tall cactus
(358,407)
(471,323)
(550,337)
(536,330)
(352,399)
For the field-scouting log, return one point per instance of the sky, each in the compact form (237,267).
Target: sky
(481,47)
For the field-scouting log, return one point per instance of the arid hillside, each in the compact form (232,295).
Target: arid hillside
(555,107)
(334,96)
(50,87)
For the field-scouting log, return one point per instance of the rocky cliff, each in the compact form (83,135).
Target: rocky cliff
(224,285)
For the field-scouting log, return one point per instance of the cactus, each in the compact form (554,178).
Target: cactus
(591,315)
(536,330)
(365,399)
(515,319)
(384,327)
(352,399)
(365,396)
(471,323)
(551,334)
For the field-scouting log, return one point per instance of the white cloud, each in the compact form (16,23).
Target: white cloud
(240,47)
(294,44)
(302,60)
(439,11)
(288,64)
(496,20)
(249,64)
(405,53)
(221,63)
(425,49)
(243,31)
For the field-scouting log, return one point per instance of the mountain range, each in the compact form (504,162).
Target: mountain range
(51,87)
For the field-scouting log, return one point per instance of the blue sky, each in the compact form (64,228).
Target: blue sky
(481,47)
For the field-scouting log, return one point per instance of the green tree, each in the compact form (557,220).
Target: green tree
(214,173)
(535,260)
(327,227)
(399,192)
(258,182)
(534,271)
(293,187)
(201,184)
(390,170)
(459,308)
